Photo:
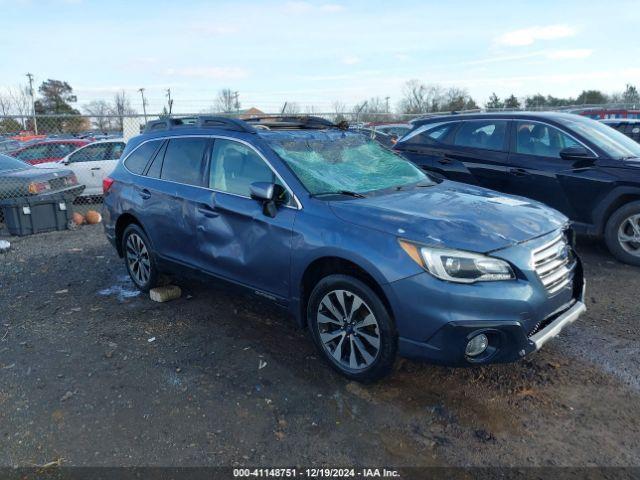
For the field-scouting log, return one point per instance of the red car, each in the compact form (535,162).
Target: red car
(47,150)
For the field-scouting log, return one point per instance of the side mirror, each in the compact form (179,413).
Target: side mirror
(265,192)
(576,152)
(262,191)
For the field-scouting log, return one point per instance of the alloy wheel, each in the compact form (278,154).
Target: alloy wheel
(629,235)
(348,330)
(138,259)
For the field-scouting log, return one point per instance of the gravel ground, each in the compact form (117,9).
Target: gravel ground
(95,374)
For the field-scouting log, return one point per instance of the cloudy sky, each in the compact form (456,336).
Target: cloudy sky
(315,53)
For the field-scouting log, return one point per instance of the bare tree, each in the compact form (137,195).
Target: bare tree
(290,108)
(99,110)
(121,108)
(20,100)
(339,109)
(226,101)
(5,104)
(372,110)
(420,98)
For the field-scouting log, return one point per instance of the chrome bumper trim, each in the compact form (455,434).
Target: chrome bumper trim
(554,328)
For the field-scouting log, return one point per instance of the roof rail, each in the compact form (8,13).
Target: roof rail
(291,121)
(204,121)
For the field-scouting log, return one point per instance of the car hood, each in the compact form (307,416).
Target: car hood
(453,215)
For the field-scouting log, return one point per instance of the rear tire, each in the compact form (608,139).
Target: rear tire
(139,258)
(622,231)
(352,328)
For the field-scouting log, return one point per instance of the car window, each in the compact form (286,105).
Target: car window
(429,134)
(137,160)
(8,163)
(35,152)
(184,160)
(92,153)
(155,169)
(64,149)
(533,138)
(483,134)
(116,150)
(234,167)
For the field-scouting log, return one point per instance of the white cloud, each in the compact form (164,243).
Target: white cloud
(528,36)
(350,60)
(569,54)
(331,8)
(214,73)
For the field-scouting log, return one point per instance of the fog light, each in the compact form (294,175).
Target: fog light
(477,345)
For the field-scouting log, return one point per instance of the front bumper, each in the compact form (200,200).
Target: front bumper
(509,341)
(435,319)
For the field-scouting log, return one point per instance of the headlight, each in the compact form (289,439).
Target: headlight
(458,266)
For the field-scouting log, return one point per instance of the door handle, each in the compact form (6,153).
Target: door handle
(144,193)
(96,168)
(207,210)
(518,172)
(445,160)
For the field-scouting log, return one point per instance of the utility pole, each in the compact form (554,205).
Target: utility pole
(236,102)
(144,104)
(170,101)
(33,103)
(386,99)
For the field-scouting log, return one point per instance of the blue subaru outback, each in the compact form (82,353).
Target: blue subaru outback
(372,255)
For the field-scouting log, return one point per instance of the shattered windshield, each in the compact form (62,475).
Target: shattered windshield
(335,163)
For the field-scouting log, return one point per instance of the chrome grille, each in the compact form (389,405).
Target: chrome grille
(554,263)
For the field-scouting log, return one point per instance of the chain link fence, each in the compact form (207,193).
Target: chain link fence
(52,166)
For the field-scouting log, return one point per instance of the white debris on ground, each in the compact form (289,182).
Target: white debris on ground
(4,246)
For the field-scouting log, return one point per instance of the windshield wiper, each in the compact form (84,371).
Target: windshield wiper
(340,192)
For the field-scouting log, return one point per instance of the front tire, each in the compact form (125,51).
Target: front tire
(139,258)
(622,233)
(352,328)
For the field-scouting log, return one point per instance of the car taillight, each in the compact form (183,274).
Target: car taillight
(38,187)
(106,184)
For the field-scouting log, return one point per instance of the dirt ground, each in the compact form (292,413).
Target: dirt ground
(95,374)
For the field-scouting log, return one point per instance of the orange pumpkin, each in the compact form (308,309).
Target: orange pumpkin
(78,218)
(93,217)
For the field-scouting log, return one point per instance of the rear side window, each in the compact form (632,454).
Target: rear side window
(429,134)
(483,134)
(139,158)
(184,161)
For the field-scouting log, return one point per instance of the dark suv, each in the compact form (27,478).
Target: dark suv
(362,247)
(585,169)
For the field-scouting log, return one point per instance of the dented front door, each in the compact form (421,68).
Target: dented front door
(237,241)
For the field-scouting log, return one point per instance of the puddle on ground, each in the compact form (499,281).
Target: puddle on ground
(123,289)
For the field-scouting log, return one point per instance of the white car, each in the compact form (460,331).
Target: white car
(92,163)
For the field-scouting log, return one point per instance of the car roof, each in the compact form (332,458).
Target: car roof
(620,120)
(557,116)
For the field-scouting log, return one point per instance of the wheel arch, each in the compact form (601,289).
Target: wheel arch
(334,264)
(122,223)
(613,202)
